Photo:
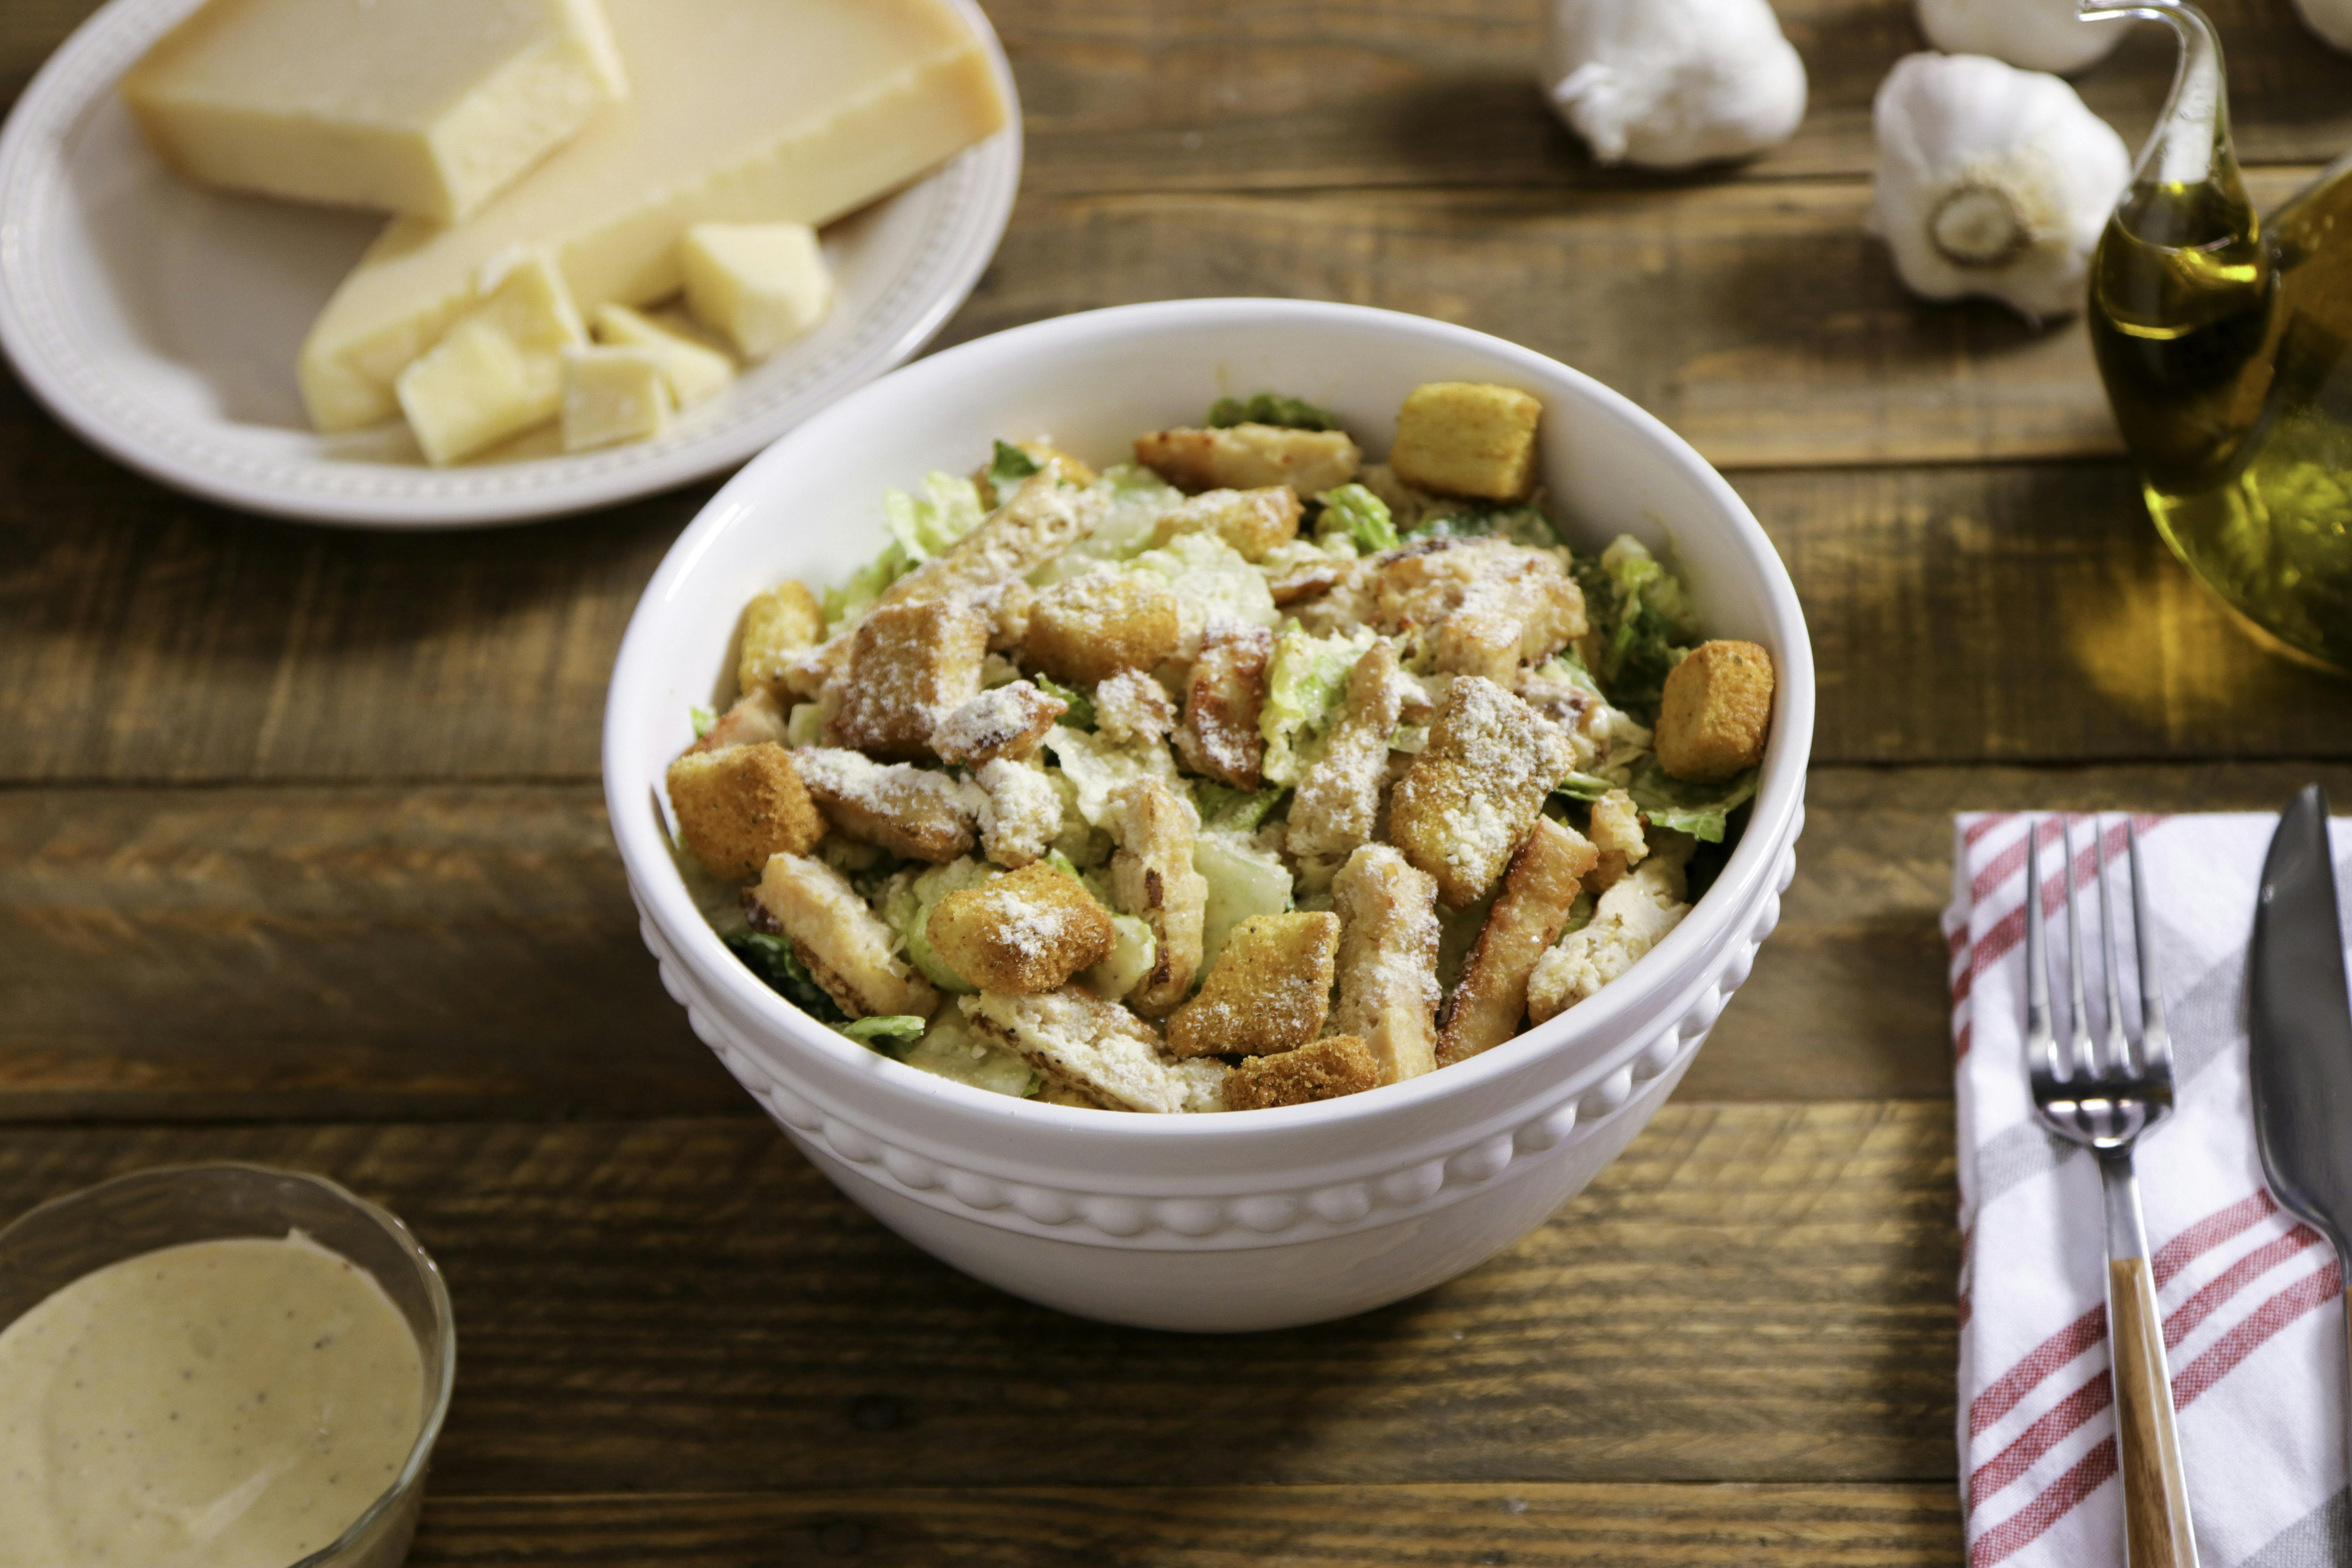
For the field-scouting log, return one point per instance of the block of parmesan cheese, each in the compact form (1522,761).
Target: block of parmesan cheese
(500,370)
(761,284)
(428,107)
(739,111)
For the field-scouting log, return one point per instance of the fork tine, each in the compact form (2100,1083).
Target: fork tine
(2118,1052)
(2155,1039)
(2078,1029)
(2037,958)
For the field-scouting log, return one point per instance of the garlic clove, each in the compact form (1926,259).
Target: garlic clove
(1667,84)
(2034,35)
(1992,181)
(2331,19)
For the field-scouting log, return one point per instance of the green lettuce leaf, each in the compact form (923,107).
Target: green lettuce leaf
(1586,787)
(1007,467)
(948,509)
(1270,408)
(890,1034)
(1303,683)
(1644,620)
(771,958)
(703,718)
(1523,524)
(1081,715)
(1356,514)
(1697,809)
(1229,810)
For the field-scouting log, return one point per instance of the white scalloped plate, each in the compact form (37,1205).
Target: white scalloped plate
(161,321)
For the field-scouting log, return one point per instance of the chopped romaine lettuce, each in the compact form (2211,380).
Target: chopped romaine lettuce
(1270,408)
(771,958)
(1586,787)
(948,509)
(906,906)
(1133,952)
(804,725)
(1242,881)
(703,718)
(1128,500)
(1643,620)
(1007,467)
(952,1048)
(1523,524)
(1098,769)
(1304,684)
(846,602)
(1697,809)
(1081,715)
(890,1033)
(1356,514)
(1212,581)
(1228,810)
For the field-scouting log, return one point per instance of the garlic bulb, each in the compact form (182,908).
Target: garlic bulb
(2035,34)
(2331,19)
(1670,83)
(1992,181)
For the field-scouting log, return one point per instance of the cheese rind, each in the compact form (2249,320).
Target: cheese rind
(426,107)
(761,284)
(739,111)
(613,395)
(695,374)
(500,370)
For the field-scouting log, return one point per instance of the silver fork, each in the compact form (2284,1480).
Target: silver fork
(2104,1099)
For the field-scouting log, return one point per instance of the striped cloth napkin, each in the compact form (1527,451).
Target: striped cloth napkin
(2252,1317)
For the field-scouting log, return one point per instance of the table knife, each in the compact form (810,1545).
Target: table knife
(2300,1021)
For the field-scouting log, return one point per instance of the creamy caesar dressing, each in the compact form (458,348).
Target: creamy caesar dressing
(232,1404)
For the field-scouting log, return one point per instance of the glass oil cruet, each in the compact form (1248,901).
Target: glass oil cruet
(2225,342)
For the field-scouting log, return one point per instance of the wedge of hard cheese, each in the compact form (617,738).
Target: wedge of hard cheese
(428,107)
(739,111)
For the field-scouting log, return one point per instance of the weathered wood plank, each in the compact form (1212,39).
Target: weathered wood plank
(1247,94)
(454,952)
(1758,1293)
(1592,1526)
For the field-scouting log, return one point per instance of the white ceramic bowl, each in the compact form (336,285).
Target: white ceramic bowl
(1266,1219)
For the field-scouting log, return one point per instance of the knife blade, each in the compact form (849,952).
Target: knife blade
(2299,1017)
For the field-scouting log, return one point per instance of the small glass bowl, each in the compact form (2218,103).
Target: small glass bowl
(67,1237)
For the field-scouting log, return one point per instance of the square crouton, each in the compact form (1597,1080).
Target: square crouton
(739,806)
(1251,458)
(1321,1070)
(1005,721)
(847,948)
(1471,797)
(1223,698)
(1523,609)
(1252,522)
(908,664)
(1089,628)
(913,813)
(1717,708)
(1467,439)
(1388,961)
(1098,1048)
(1527,918)
(1026,931)
(783,621)
(1269,992)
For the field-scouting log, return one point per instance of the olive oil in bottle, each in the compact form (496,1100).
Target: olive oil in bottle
(2225,343)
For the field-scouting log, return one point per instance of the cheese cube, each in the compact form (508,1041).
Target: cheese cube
(612,396)
(695,374)
(761,284)
(428,107)
(499,371)
(739,111)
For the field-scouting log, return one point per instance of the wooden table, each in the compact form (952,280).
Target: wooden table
(304,858)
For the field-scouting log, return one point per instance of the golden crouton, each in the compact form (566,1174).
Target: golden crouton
(1617,834)
(915,813)
(754,718)
(908,664)
(1321,1070)
(1089,628)
(783,620)
(1527,918)
(1718,707)
(1007,722)
(1268,992)
(1252,522)
(1152,878)
(1098,1048)
(1049,458)
(1467,803)
(1132,706)
(1338,798)
(1250,458)
(847,948)
(1467,439)
(1026,931)
(1522,611)
(738,806)
(1223,700)
(1388,961)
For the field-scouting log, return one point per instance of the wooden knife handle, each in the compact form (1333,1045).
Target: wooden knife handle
(2156,1495)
